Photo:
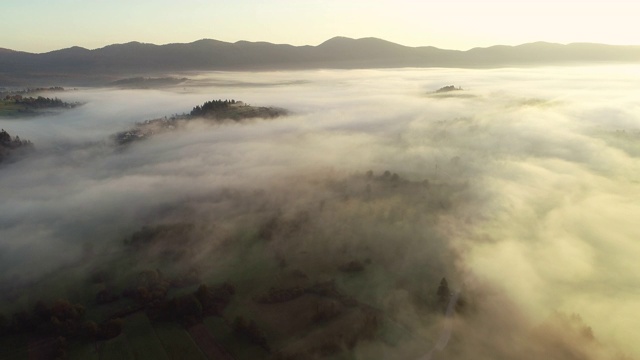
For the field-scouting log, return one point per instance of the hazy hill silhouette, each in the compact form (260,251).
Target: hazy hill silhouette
(338,52)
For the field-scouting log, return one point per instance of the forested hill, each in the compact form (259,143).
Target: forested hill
(219,111)
(339,52)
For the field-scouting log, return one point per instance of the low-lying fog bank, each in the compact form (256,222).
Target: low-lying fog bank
(521,191)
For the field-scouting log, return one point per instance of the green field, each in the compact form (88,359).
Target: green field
(30,106)
(142,339)
(152,267)
(83,351)
(10,108)
(13,347)
(239,348)
(116,349)
(177,342)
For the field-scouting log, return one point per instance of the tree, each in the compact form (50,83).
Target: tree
(4,137)
(443,291)
(90,330)
(105,297)
(250,331)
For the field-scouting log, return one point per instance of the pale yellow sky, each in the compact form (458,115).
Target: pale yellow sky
(44,25)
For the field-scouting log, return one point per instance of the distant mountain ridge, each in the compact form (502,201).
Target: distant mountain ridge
(338,52)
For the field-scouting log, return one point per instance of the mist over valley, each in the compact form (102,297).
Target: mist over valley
(344,214)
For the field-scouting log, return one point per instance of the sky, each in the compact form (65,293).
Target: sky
(44,25)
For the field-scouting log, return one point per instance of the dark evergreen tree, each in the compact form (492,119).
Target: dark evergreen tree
(443,291)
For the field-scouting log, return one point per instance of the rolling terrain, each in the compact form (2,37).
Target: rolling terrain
(80,65)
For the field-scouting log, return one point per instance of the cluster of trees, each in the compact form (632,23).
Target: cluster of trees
(230,110)
(448,88)
(386,176)
(278,225)
(106,297)
(147,82)
(32,90)
(280,295)
(58,322)
(214,110)
(61,321)
(191,308)
(215,300)
(8,142)
(28,104)
(250,331)
(13,94)
(150,293)
(58,319)
(12,145)
(151,288)
(42,102)
(443,293)
(211,106)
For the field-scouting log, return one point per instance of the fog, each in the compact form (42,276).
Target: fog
(530,209)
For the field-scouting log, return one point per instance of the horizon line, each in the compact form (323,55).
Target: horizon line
(308,45)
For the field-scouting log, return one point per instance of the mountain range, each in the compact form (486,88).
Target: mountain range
(338,52)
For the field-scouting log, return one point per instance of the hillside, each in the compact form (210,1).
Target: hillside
(216,110)
(338,52)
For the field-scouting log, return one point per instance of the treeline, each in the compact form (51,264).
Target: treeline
(192,308)
(147,82)
(6,141)
(211,106)
(57,323)
(150,293)
(32,90)
(40,102)
(12,145)
(214,110)
(448,88)
(61,321)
